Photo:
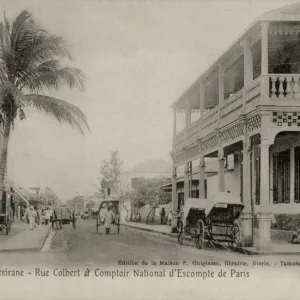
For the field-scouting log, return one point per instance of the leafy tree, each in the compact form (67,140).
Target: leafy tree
(52,198)
(111,170)
(149,192)
(36,189)
(31,64)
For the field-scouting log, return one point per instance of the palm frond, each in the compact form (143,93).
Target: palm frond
(8,88)
(19,28)
(62,111)
(51,75)
(22,114)
(5,45)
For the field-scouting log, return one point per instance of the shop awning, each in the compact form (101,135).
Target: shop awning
(20,194)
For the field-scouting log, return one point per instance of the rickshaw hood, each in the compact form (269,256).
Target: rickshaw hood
(222,198)
(194,203)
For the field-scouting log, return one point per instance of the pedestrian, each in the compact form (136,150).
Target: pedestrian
(27,214)
(169,218)
(162,216)
(109,217)
(43,214)
(37,218)
(30,215)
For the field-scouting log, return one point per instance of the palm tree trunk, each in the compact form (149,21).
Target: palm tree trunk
(3,161)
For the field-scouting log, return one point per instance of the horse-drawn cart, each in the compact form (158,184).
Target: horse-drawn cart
(214,220)
(5,223)
(63,215)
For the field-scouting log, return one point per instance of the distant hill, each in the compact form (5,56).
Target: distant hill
(152,166)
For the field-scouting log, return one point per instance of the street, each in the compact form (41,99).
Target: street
(83,246)
(83,249)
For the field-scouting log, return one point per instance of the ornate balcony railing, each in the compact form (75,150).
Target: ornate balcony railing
(284,86)
(245,101)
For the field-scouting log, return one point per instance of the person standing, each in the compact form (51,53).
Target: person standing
(27,214)
(109,217)
(37,218)
(162,216)
(30,216)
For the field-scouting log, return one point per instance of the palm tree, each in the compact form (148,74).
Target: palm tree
(31,64)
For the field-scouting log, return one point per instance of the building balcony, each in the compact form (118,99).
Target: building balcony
(280,91)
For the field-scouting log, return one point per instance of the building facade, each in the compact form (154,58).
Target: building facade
(244,110)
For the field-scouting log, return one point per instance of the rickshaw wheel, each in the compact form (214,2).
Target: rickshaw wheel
(199,234)
(179,238)
(97,225)
(235,235)
(199,241)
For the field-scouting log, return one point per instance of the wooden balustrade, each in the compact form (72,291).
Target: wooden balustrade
(281,86)
(284,86)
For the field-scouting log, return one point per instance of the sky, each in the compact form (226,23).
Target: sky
(138,57)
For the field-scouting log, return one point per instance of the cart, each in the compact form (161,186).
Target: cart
(5,223)
(100,214)
(213,220)
(63,215)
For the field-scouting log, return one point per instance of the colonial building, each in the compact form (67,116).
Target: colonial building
(246,106)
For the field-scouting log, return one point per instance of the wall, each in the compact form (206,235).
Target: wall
(144,212)
(232,180)
(126,179)
(281,208)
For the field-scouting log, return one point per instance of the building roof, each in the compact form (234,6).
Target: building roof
(287,13)
(22,193)
(152,166)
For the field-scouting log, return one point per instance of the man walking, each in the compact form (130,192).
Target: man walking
(109,217)
(30,214)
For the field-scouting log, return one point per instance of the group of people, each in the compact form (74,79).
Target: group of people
(136,217)
(165,219)
(35,216)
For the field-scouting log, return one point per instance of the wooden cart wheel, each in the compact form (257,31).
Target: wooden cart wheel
(7,228)
(97,224)
(180,233)
(199,234)
(235,236)
(179,238)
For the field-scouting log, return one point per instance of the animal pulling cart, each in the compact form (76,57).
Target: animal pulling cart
(214,220)
(63,215)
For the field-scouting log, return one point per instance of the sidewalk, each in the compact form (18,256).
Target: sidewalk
(277,249)
(21,238)
(282,248)
(162,229)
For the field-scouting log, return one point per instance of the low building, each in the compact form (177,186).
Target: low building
(145,170)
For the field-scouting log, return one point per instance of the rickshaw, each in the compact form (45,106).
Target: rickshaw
(85,215)
(5,216)
(63,215)
(101,211)
(214,220)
